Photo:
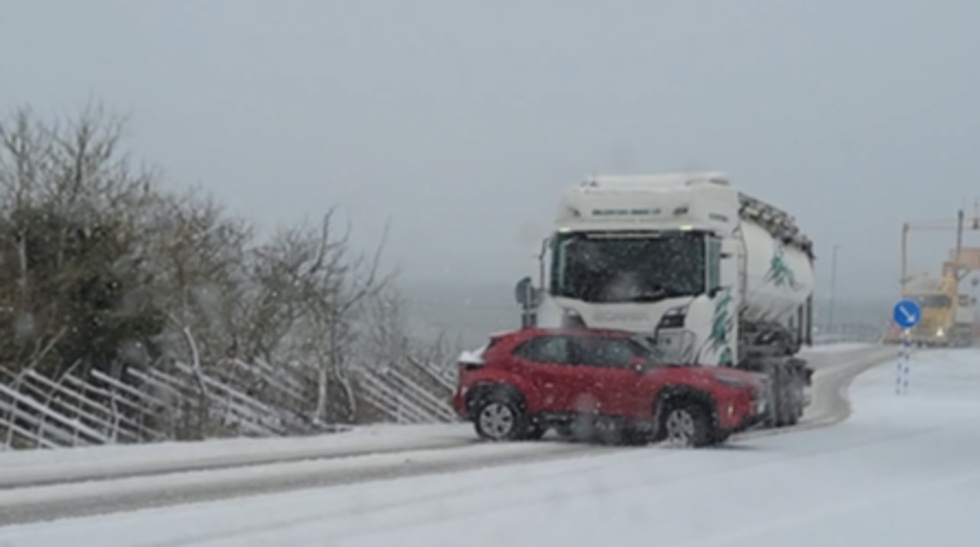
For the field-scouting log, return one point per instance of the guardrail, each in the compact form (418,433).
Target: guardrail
(850,333)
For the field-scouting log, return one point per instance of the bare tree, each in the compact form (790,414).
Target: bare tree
(385,340)
(195,262)
(328,280)
(101,267)
(71,202)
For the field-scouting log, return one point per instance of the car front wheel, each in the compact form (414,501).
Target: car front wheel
(498,418)
(687,426)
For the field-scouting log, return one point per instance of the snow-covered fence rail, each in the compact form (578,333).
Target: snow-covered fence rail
(402,398)
(36,411)
(239,399)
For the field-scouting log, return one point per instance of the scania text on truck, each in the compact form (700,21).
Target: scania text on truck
(709,274)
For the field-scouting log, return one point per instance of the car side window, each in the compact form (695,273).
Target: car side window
(546,349)
(606,352)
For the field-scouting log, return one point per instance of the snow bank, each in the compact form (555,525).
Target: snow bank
(842,347)
(21,468)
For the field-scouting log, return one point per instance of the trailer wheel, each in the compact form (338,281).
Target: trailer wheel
(795,400)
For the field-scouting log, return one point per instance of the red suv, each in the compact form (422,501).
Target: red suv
(600,385)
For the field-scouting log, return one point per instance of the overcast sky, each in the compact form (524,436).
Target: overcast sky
(463,120)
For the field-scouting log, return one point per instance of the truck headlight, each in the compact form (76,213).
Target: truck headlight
(673,318)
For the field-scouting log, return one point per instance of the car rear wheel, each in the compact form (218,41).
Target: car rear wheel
(499,418)
(687,425)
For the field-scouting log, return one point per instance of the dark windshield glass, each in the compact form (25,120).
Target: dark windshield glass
(597,267)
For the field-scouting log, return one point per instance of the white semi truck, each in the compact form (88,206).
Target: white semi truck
(707,273)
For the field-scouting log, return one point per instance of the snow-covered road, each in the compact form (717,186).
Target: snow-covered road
(900,471)
(56,484)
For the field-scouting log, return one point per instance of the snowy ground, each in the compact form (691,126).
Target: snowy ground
(901,471)
(42,467)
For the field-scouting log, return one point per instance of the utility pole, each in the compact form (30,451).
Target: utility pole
(959,251)
(937,225)
(833,286)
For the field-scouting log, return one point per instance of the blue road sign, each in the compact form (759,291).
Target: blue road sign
(907,313)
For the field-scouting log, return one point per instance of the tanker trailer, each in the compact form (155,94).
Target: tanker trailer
(707,273)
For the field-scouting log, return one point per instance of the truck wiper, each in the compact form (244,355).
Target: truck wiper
(658,295)
(649,297)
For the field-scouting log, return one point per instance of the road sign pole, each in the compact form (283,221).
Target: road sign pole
(906,315)
(902,373)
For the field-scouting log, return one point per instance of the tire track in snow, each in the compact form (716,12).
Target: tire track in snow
(454,498)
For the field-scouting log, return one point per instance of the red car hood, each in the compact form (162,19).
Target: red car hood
(710,372)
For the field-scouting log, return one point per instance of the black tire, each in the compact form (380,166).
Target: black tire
(687,424)
(795,399)
(499,417)
(787,396)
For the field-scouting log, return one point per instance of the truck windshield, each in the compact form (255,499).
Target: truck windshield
(604,267)
(934,301)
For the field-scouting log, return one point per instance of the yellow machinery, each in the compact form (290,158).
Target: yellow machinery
(937,298)
(941,298)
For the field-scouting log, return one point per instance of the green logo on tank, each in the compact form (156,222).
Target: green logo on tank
(779,273)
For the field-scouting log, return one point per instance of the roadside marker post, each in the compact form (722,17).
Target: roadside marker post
(906,315)
(902,380)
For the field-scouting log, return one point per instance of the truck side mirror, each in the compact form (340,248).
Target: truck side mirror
(713,292)
(524,292)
